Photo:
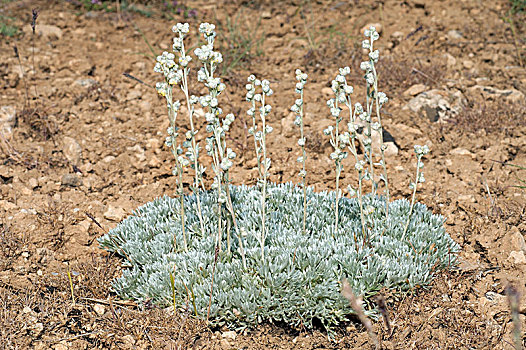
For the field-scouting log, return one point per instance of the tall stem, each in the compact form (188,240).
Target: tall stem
(414,195)
(382,151)
(304,157)
(264,185)
(195,151)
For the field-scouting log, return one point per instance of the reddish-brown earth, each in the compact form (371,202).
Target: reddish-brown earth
(87,148)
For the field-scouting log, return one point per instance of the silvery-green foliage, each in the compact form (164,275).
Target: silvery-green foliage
(299,279)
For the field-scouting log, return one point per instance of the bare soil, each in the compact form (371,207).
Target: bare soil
(87,148)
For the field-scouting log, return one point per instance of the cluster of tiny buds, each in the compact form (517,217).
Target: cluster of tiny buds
(420,151)
(208,31)
(302,80)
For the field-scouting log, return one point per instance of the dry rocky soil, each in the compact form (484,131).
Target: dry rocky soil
(81,146)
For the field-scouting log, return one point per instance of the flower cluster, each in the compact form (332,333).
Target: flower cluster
(260,142)
(297,108)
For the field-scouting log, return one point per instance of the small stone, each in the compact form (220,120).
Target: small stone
(71,180)
(114,213)
(230,335)
(99,309)
(32,182)
(517,258)
(87,83)
(466,198)
(378,27)
(397,36)
(72,150)
(7,119)
(60,346)
(129,339)
(488,92)
(415,90)
(266,15)
(468,64)
(391,149)
(454,34)
(108,159)
(154,162)
(27,310)
(49,32)
(460,152)
(287,125)
(133,95)
(6,205)
(450,60)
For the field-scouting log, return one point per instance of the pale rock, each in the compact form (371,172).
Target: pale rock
(397,36)
(488,92)
(436,105)
(108,159)
(460,152)
(199,112)
(415,90)
(71,180)
(451,61)
(72,150)
(7,119)
(60,346)
(266,15)
(391,149)
(139,152)
(517,239)
(399,168)
(114,213)
(87,83)
(517,258)
(154,162)
(466,198)
(99,309)
(49,32)
(230,335)
(153,144)
(32,182)
(468,64)
(129,339)
(6,205)
(378,27)
(454,34)
(287,125)
(133,95)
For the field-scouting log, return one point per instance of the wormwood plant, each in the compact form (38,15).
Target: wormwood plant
(243,255)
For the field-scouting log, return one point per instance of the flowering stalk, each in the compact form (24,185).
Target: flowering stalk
(338,141)
(167,66)
(298,109)
(378,99)
(216,146)
(260,143)
(181,77)
(420,151)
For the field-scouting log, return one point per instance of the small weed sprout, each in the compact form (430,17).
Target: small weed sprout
(272,270)
(297,108)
